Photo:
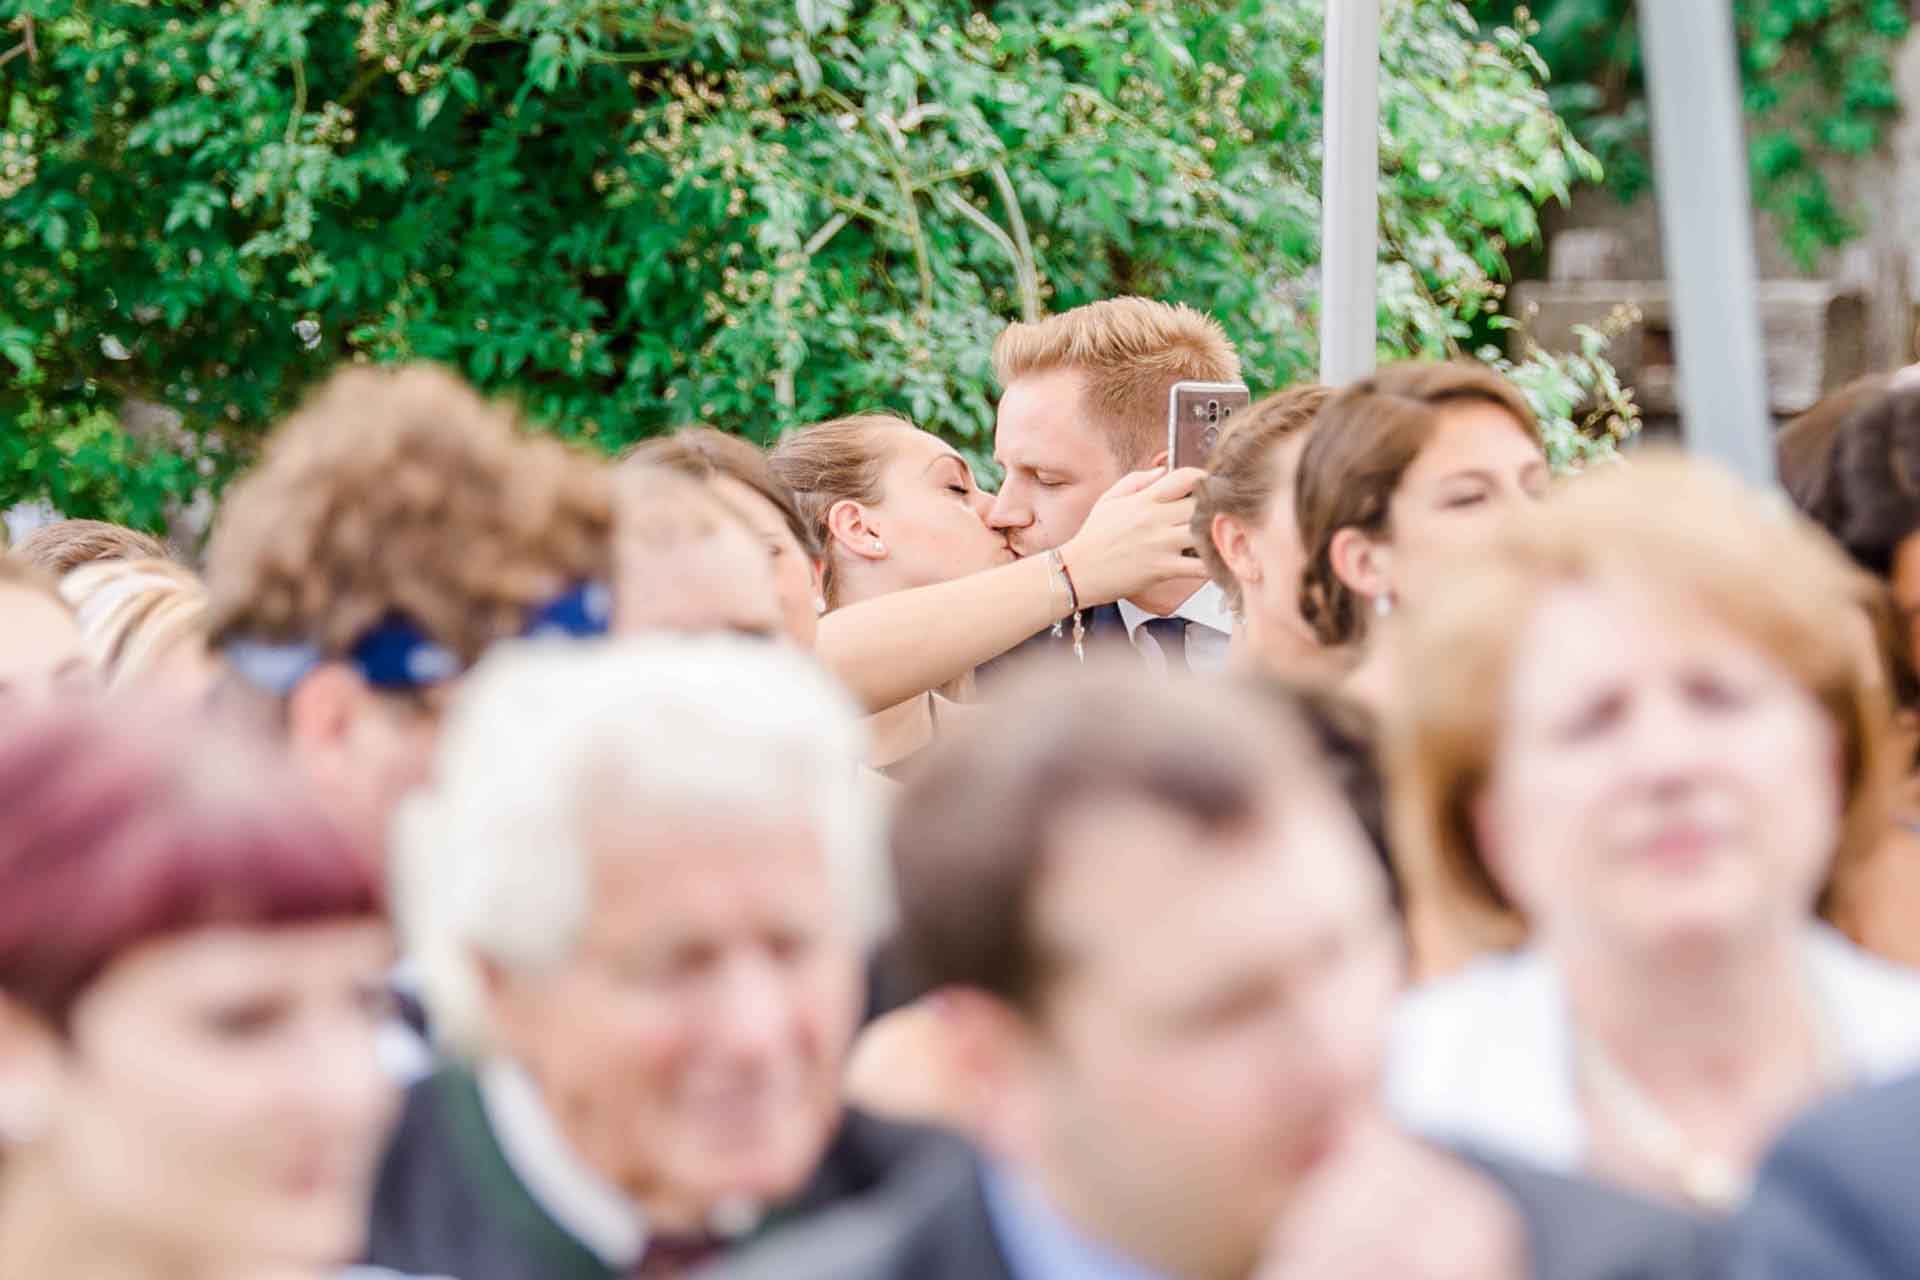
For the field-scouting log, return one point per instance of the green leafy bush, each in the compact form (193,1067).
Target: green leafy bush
(639,213)
(1819,83)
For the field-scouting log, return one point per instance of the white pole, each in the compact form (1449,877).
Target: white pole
(1350,192)
(1706,222)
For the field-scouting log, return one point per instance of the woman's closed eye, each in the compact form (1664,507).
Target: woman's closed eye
(1592,718)
(1714,692)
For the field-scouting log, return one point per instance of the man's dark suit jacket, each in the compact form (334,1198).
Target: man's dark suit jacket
(931,1223)
(448,1204)
(1839,1197)
(1106,632)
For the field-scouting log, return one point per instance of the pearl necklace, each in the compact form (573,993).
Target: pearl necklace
(1709,1180)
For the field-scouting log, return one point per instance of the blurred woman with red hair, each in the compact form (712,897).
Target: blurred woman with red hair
(191,964)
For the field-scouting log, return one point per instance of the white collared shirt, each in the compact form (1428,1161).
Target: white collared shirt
(1486,1057)
(1209,630)
(591,1210)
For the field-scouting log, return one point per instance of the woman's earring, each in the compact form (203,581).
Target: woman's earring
(820,605)
(879,545)
(1383,605)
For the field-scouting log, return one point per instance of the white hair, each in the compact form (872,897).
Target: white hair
(491,859)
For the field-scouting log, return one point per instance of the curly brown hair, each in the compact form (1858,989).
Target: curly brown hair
(403,491)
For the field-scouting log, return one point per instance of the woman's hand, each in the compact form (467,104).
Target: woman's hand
(1136,537)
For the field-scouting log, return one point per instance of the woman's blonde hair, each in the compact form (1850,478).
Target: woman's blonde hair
(132,614)
(1695,537)
(830,462)
(1366,438)
(1240,477)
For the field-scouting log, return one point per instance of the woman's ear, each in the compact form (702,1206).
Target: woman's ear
(1235,545)
(847,526)
(1361,563)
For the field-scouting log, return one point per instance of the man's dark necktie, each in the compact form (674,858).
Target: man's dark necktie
(1171,635)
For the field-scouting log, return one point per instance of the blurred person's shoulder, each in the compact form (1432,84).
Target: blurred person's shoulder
(926,1222)
(1873,1004)
(1834,1198)
(1580,1229)
(1484,1057)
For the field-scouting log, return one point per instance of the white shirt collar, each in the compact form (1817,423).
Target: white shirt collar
(591,1210)
(1207,606)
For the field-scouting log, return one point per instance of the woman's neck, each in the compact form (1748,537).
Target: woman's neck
(896,733)
(1726,1040)
(1278,645)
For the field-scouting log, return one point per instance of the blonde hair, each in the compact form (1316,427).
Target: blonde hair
(133,613)
(1688,532)
(1240,478)
(402,490)
(1366,438)
(59,548)
(831,462)
(1132,351)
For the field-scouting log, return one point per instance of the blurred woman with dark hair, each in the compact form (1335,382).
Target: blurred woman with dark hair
(1401,467)
(191,965)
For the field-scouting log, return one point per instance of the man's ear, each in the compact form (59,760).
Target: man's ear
(1235,545)
(992,1048)
(1159,460)
(847,525)
(1362,563)
(322,707)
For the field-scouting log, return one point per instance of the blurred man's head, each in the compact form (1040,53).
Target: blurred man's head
(644,875)
(1083,401)
(40,650)
(1168,954)
(398,525)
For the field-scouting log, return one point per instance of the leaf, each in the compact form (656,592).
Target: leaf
(430,103)
(812,20)
(808,68)
(465,84)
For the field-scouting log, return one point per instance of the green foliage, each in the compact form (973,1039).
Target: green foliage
(1818,77)
(639,213)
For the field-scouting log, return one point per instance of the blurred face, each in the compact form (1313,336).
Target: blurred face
(39,646)
(691,1047)
(931,518)
(1275,543)
(1216,1019)
(796,579)
(1479,462)
(1659,782)
(218,1105)
(722,582)
(363,750)
(1056,458)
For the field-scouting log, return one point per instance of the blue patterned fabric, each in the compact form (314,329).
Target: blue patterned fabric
(397,656)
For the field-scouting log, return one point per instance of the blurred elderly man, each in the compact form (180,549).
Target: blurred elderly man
(638,889)
(1168,957)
